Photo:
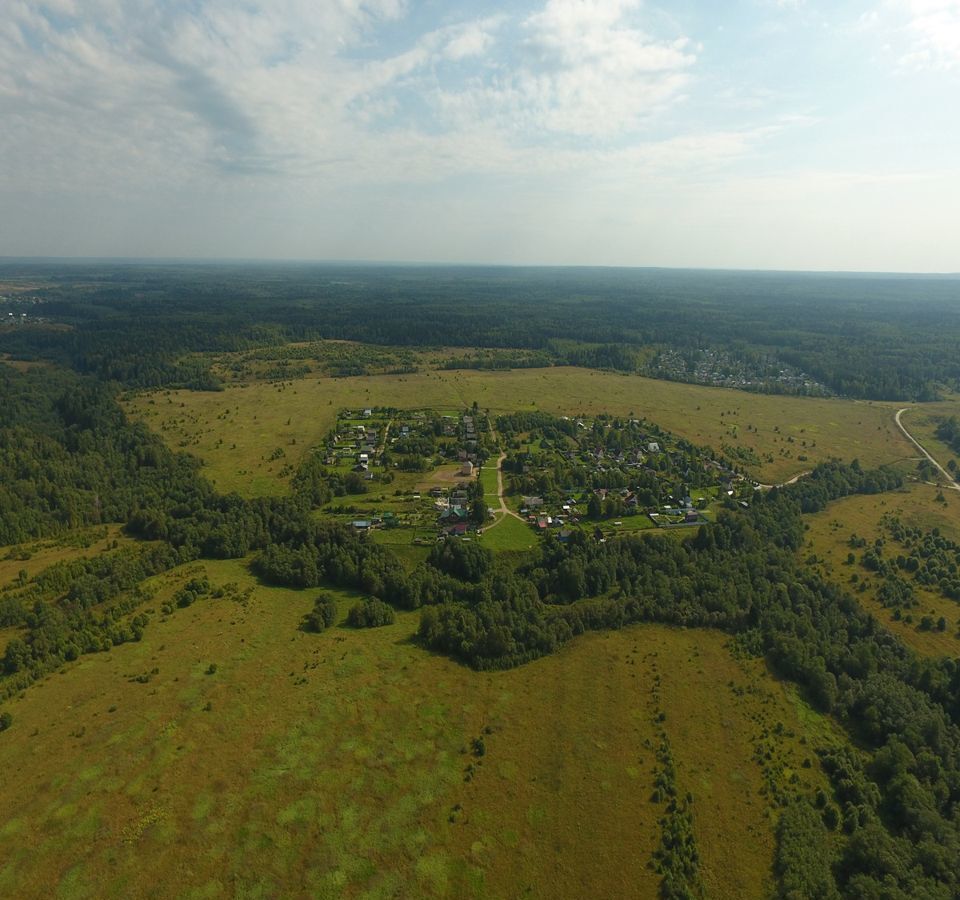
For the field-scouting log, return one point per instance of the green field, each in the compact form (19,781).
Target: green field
(235,431)
(334,765)
(488,478)
(508,533)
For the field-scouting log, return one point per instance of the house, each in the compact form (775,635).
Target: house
(457,530)
(362,524)
(653,447)
(533,502)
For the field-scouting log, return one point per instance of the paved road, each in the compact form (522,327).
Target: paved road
(950,482)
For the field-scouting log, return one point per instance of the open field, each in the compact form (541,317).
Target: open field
(235,431)
(446,476)
(916,506)
(334,765)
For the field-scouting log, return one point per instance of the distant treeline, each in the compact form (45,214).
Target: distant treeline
(877,337)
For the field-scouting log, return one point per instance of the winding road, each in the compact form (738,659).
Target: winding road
(950,482)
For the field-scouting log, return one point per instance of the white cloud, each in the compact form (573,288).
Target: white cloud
(300,106)
(593,72)
(175,90)
(474,39)
(929,31)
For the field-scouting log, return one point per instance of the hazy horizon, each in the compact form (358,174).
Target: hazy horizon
(440,265)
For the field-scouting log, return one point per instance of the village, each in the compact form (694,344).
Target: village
(613,473)
(425,464)
(721,368)
(420,475)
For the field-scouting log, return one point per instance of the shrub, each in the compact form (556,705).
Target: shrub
(370,614)
(323,614)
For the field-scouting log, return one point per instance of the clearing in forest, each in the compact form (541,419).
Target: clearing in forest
(238,431)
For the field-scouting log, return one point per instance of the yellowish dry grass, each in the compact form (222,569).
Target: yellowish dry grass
(333,764)
(235,431)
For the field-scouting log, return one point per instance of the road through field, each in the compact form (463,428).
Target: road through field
(950,482)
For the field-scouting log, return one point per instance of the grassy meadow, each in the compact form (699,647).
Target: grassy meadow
(236,431)
(230,754)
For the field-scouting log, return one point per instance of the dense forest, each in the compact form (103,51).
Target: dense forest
(876,337)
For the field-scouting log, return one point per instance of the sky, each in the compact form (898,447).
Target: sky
(768,134)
